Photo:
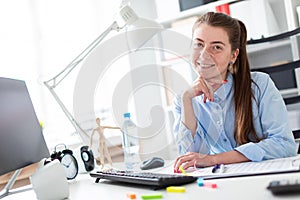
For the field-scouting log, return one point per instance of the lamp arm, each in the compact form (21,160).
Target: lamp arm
(66,111)
(52,83)
(67,70)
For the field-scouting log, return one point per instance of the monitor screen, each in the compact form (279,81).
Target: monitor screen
(284,79)
(21,139)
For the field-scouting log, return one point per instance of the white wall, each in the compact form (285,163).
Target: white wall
(38,39)
(149,98)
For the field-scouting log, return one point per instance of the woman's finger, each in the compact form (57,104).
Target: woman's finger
(185,161)
(207,90)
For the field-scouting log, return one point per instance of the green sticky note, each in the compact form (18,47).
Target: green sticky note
(152,196)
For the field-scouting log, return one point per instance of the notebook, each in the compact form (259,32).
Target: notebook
(273,166)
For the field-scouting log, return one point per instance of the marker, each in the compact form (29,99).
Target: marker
(152,196)
(182,170)
(178,189)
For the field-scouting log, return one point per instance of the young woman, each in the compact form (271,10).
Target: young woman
(229,114)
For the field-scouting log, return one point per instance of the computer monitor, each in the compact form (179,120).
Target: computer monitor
(21,138)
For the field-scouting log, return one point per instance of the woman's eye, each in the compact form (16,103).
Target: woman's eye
(217,48)
(197,45)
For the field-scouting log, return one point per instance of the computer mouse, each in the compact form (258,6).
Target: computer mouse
(152,163)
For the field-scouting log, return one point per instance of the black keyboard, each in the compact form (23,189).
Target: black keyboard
(156,180)
(284,186)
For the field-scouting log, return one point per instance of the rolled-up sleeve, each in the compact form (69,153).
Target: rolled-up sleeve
(183,135)
(272,117)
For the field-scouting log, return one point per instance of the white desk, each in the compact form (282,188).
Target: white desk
(84,187)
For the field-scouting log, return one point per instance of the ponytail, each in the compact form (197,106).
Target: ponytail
(243,95)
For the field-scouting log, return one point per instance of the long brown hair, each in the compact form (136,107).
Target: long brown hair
(237,33)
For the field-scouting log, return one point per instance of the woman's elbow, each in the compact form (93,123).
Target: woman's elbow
(291,148)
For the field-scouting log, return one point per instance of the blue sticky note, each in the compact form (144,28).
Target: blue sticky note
(200,182)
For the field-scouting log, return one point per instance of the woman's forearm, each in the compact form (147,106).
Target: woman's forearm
(228,158)
(188,115)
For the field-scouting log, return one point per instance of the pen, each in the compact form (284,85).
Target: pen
(222,168)
(214,169)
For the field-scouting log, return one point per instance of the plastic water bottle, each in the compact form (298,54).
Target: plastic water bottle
(130,143)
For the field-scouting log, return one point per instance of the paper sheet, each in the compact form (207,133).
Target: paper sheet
(281,165)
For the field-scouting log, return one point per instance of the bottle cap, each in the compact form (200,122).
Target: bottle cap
(127,115)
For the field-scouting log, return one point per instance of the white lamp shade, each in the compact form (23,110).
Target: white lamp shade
(141,31)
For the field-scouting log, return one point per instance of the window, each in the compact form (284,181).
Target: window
(38,40)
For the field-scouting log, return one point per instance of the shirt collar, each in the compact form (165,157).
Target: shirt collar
(225,89)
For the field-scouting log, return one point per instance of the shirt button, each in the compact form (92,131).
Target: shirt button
(225,140)
(219,122)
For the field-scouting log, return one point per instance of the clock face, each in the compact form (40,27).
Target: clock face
(71,166)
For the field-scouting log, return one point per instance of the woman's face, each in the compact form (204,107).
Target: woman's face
(212,52)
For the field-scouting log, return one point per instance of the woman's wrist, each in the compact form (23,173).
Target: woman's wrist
(211,160)
(227,158)
(187,95)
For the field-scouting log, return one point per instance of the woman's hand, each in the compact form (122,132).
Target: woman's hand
(204,86)
(199,87)
(202,160)
(191,158)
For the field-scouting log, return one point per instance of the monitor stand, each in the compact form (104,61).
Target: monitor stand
(10,183)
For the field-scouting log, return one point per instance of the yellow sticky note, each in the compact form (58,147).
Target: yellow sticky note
(175,189)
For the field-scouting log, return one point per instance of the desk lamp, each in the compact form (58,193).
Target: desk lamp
(126,17)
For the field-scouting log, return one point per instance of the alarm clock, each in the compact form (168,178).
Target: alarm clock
(67,160)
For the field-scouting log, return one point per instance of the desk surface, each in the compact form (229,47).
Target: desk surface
(84,187)
(252,187)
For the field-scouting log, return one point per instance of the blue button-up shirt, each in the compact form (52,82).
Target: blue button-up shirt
(215,123)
